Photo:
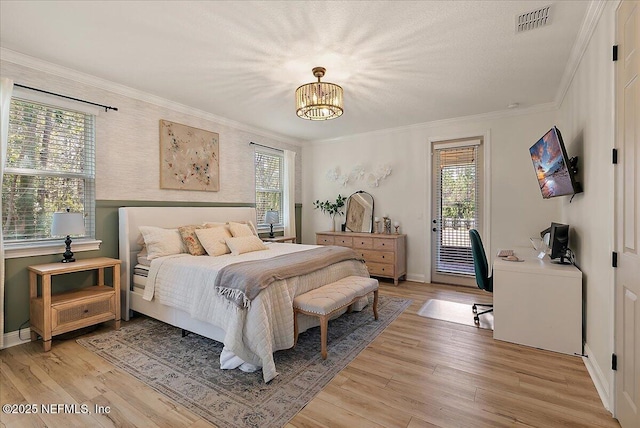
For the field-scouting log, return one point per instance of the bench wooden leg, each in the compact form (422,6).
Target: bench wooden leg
(295,328)
(324,321)
(375,304)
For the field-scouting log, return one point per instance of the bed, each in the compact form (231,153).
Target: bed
(250,335)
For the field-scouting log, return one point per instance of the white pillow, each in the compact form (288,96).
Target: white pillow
(162,242)
(142,256)
(214,224)
(245,244)
(241,229)
(212,239)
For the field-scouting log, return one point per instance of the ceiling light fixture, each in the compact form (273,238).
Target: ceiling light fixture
(319,100)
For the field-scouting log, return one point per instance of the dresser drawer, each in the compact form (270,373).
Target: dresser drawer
(380,269)
(71,315)
(343,241)
(378,256)
(383,244)
(363,243)
(324,240)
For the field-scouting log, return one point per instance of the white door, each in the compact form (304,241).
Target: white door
(456,199)
(627,306)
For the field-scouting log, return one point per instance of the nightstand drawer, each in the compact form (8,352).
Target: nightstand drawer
(71,315)
(324,240)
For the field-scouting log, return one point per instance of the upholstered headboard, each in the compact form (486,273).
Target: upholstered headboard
(131,218)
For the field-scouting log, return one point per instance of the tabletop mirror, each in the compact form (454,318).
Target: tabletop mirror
(360,212)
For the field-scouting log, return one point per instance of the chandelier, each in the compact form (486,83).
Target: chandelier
(319,100)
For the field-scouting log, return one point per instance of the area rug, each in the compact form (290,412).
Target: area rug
(458,313)
(187,369)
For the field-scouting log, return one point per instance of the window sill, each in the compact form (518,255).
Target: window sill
(267,229)
(15,251)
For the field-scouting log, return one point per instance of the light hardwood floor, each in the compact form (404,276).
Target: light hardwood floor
(419,372)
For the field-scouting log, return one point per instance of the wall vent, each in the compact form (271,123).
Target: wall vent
(532,20)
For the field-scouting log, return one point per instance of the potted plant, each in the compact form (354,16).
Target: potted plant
(331,208)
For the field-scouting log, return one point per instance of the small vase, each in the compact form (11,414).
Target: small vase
(333,224)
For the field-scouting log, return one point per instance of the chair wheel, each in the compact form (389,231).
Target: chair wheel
(476,319)
(474,309)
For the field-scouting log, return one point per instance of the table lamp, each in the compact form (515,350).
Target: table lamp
(67,223)
(271,217)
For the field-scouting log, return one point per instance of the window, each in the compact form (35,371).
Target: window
(269,183)
(50,167)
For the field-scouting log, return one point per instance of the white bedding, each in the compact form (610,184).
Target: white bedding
(187,282)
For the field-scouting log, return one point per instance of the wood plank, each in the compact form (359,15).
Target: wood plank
(418,373)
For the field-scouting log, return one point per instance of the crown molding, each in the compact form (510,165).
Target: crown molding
(589,24)
(97,82)
(500,114)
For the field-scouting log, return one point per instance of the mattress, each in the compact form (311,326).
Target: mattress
(141,270)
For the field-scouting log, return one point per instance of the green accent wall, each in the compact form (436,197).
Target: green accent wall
(16,297)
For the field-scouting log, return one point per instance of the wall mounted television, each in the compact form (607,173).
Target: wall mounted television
(554,169)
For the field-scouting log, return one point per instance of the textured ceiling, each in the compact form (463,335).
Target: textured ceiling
(400,63)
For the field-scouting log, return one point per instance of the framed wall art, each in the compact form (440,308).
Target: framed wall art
(189,158)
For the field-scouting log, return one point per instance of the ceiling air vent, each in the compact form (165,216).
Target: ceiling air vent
(532,20)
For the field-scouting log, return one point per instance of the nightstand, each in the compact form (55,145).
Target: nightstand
(53,314)
(291,239)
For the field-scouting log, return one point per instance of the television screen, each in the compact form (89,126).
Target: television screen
(551,164)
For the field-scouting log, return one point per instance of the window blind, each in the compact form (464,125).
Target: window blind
(50,167)
(269,184)
(457,208)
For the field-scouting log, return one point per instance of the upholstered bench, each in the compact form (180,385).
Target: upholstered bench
(330,298)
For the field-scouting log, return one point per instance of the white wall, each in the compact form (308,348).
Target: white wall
(127,141)
(517,208)
(586,118)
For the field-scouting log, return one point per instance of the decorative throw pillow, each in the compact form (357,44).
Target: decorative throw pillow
(241,229)
(212,239)
(191,241)
(245,244)
(162,242)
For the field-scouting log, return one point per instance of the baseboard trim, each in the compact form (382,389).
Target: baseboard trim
(598,377)
(415,277)
(13,338)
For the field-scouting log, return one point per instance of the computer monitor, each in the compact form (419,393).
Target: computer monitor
(559,243)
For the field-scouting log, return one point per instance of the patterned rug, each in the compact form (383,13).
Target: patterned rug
(187,369)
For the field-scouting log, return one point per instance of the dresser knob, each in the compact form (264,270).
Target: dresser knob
(86,311)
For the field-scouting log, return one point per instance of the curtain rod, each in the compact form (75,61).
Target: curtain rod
(106,108)
(267,147)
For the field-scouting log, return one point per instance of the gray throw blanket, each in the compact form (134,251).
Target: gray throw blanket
(241,282)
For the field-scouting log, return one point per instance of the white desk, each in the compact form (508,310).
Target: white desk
(538,303)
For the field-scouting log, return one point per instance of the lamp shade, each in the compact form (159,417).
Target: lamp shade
(67,223)
(272,217)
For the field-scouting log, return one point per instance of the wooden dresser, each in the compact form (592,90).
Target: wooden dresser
(385,255)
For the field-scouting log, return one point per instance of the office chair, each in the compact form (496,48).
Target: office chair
(484,281)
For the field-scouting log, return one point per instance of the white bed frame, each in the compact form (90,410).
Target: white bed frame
(130,218)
